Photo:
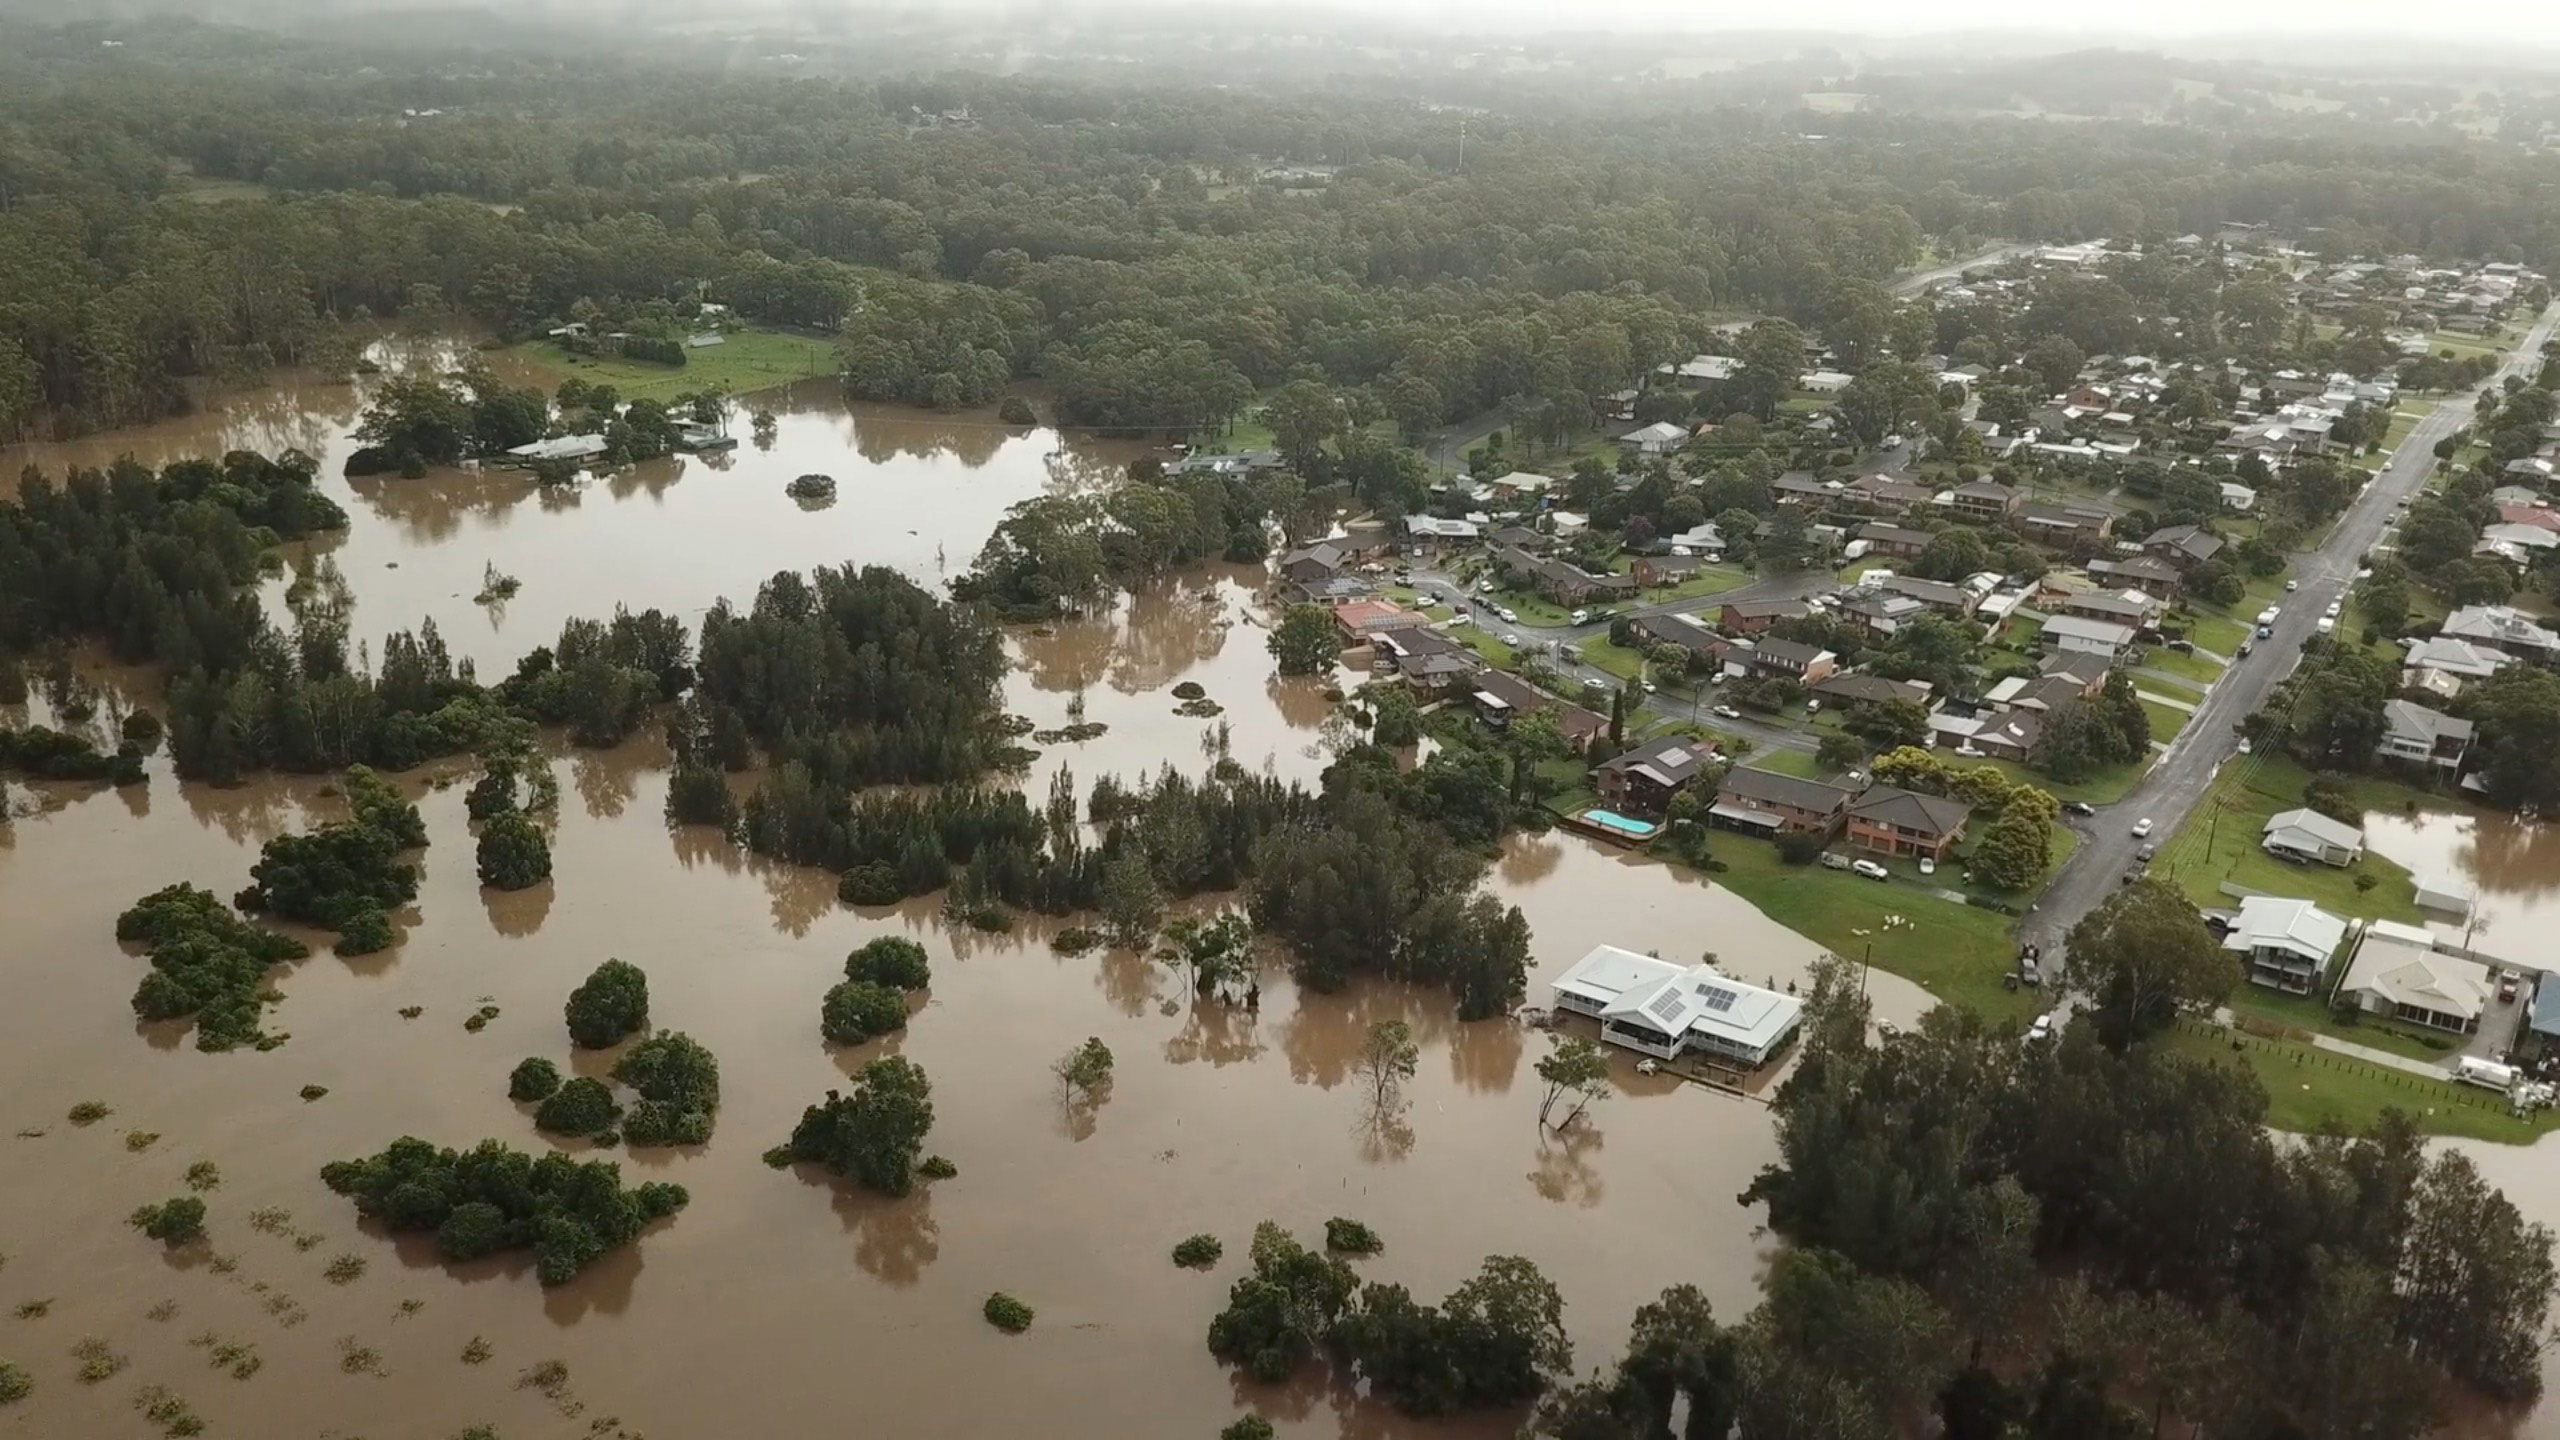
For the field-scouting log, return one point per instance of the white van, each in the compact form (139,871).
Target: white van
(2487,1074)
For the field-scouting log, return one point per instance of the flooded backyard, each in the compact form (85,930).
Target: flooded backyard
(2512,865)
(772,1303)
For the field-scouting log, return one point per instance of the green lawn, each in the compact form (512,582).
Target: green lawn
(2302,1012)
(1958,952)
(2186,667)
(1532,609)
(2166,721)
(1493,651)
(2205,852)
(1799,763)
(1709,580)
(2218,633)
(752,360)
(1618,660)
(2106,787)
(2307,1088)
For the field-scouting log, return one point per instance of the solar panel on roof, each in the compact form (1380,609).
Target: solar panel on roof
(1665,1005)
(1676,755)
(1718,998)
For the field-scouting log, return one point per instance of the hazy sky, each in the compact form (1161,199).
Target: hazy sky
(2488,24)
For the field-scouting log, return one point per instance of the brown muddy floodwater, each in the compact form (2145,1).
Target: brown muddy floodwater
(775,1305)
(2513,866)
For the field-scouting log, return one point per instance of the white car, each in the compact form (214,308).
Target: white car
(2292,585)
(2364,573)
(1510,639)
(1581,617)
(1928,866)
(2334,608)
(1509,617)
(2042,1029)
(2142,827)
(1871,870)
(1726,712)
(2326,625)
(1650,687)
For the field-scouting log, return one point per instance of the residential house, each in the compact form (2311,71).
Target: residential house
(2398,971)
(1518,537)
(2185,546)
(2237,498)
(2284,944)
(1432,528)
(1851,692)
(2065,525)
(1668,1011)
(1502,697)
(2148,574)
(1321,575)
(2538,513)
(1707,649)
(1892,821)
(1704,538)
(1313,564)
(1562,581)
(2421,736)
(2517,545)
(2041,694)
(1643,780)
(1985,501)
(2308,835)
(2088,671)
(1655,571)
(1659,438)
(1887,495)
(1792,660)
(1824,382)
(1528,482)
(2503,628)
(1754,617)
(1878,611)
(1362,620)
(2124,607)
(1798,487)
(1767,803)
(1947,599)
(2009,736)
(2442,666)
(1892,541)
(2075,634)
(1431,664)
(1703,369)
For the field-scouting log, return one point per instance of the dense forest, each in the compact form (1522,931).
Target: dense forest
(198,202)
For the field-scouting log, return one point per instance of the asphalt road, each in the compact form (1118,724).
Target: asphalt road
(2179,780)
(1913,284)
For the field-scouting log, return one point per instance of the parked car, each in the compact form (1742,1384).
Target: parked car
(1928,866)
(1834,860)
(2327,625)
(1726,712)
(2334,608)
(2243,652)
(1510,639)
(2142,827)
(2078,807)
(2042,1029)
(2145,853)
(1871,870)
(1581,617)
(2507,987)
(1509,616)
(1595,685)
(1649,686)
(1813,704)
(2266,632)
(2292,585)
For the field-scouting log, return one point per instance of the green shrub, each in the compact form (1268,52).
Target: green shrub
(494,1198)
(1351,1237)
(581,1107)
(512,853)
(679,1086)
(15,1383)
(874,884)
(172,1222)
(1251,1427)
(936,1167)
(1008,1314)
(858,1010)
(1199,1252)
(533,1080)
(613,1003)
(891,960)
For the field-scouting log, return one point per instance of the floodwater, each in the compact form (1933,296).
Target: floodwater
(2513,865)
(778,1303)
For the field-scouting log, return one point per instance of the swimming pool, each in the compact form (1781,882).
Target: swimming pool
(1618,824)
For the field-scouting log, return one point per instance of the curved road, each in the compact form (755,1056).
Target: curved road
(2185,773)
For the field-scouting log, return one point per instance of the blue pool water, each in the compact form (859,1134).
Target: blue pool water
(1611,820)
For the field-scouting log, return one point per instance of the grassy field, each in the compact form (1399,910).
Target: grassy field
(1957,951)
(2198,668)
(752,360)
(1799,763)
(2203,855)
(1710,580)
(2166,721)
(2106,787)
(1618,660)
(2307,1088)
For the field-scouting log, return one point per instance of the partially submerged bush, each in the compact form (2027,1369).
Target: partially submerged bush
(1198,1252)
(1008,1314)
(533,1080)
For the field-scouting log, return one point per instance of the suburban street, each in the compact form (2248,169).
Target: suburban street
(2182,776)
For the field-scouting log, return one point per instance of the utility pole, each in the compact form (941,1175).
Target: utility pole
(1462,142)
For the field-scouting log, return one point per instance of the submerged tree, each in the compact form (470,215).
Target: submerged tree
(873,1136)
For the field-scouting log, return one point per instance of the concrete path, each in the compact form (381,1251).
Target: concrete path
(2188,706)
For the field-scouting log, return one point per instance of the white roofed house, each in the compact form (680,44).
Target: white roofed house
(2399,972)
(1659,438)
(1664,1010)
(2421,736)
(2307,834)
(2285,944)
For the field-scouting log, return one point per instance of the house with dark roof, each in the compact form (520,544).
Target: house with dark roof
(1320,575)
(1707,649)
(1562,581)
(2064,525)
(2146,573)
(1501,697)
(1753,617)
(1764,802)
(1892,821)
(1800,488)
(1850,692)
(1791,660)
(1892,541)
(1886,495)
(2185,546)
(1642,781)
(1987,501)
(1936,594)
(1431,664)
